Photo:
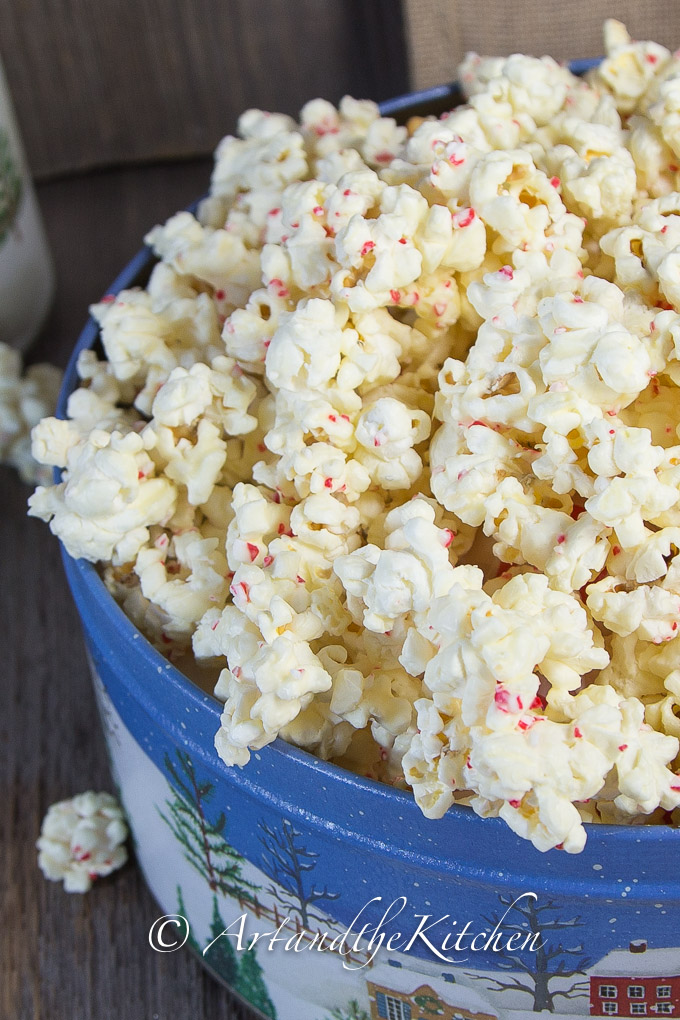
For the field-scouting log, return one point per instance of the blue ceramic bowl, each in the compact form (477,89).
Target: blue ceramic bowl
(451,913)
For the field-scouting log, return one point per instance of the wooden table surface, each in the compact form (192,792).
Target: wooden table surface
(75,957)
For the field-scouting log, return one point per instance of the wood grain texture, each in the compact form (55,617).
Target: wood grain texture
(440,32)
(75,957)
(115,81)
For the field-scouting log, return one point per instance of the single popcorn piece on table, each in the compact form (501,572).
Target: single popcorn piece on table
(82,839)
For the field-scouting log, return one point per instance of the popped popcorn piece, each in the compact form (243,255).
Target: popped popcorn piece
(109,495)
(82,839)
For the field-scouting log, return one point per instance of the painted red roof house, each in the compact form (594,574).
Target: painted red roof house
(636,982)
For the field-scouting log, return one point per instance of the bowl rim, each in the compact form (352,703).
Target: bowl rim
(85,575)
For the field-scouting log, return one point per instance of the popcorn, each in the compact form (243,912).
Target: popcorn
(23,402)
(392,439)
(82,839)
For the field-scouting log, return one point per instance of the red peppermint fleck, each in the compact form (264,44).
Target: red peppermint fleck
(664,228)
(555,181)
(328,482)
(439,308)
(274,212)
(384,157)
(464,218)
(456,161)
(281,528)
(347,192)
(300,580)
(268,560)
(276,497)
(577,732)
(651,58)
(283,292)
(345,416)
(507,272)
(396,296)
(108,299)
(245,588)
(295,225)
(622,747)
(219,294)
(448,537)
(317,210)
(578,300)
(674,625)
(514,803)
(93,876)
(253,550)
(506,701)
(237,671)
(261,447)
(616,550)
(559,846)
(561,539)
(367,246)
(402,240)
(140,475)
(332,417)
(377,441)
(538,702)
(215,625)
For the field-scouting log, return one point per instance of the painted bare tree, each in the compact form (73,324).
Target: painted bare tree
(288,864)
(551,962)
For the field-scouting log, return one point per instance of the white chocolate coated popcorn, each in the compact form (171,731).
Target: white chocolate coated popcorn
(393,438)
(82,839)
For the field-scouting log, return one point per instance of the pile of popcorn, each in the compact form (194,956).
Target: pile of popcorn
(393,436)
(82,839)
(24,400)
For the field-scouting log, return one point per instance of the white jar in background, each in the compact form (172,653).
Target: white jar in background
(26,270)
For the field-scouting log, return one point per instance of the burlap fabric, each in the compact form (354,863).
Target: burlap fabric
(440,32)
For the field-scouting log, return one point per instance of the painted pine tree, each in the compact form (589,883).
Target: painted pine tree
(203,841)
(250,984)
(352,1011)
(551,962)
(182,912)
(221,955)
(288,864)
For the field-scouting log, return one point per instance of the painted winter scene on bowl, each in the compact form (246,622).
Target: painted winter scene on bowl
(241,874)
